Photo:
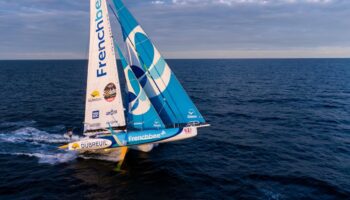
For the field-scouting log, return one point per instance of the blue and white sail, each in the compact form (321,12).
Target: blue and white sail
(104,107)
(141,113)
(159,82)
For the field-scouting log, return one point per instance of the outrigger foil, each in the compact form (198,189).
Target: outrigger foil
(155,97)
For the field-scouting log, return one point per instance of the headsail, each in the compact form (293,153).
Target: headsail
(104,106)
(160,83)
(141,113)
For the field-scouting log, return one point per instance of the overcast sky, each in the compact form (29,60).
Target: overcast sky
(58,29)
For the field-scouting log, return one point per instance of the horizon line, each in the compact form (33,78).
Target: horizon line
(243,58)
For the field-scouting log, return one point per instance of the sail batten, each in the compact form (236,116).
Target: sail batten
(104,107)
(159,82)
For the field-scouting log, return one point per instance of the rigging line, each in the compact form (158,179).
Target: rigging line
(144,64)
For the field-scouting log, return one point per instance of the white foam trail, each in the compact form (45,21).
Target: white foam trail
(29,134)
(43,145)
(36,143)
(51,159)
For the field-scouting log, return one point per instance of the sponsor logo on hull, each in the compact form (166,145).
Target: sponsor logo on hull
(144,137)
(91,144)
(187,130)
(186,133)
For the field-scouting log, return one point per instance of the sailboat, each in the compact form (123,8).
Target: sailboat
(158,108)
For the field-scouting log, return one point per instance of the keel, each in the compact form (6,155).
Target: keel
(123,151)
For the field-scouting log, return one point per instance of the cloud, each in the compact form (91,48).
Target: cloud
(235,2)
(184,28)
(158,2)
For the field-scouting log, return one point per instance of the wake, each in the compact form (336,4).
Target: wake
(32,142)
(22,139)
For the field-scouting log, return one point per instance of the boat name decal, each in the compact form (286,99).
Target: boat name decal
(101,40)
(144,137)
(96,144)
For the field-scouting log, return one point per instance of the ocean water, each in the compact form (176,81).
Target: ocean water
(280,130)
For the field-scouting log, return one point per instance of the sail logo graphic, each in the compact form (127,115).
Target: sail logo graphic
(156,124)
(95,96)
(95,114)
(112,112)
(94,125)
(101,40)
(191,114)
(110,92)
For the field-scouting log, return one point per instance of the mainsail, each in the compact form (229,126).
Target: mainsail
(141,113)
(159,82)
(104,107)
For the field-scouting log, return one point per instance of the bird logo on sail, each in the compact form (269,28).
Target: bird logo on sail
(191,114)
(110,92)
(95,96)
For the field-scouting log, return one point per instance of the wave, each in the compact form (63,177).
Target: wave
(107,158)
(305,181)
(7,125)
(30,134)
(46,158)
(33,142)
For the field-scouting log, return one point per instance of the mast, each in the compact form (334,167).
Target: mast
(104,106)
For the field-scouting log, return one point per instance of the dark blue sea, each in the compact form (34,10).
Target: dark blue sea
(280,130)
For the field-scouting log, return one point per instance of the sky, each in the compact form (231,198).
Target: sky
(59,29)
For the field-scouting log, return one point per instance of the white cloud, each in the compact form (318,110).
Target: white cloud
(157,2)
(233,2)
